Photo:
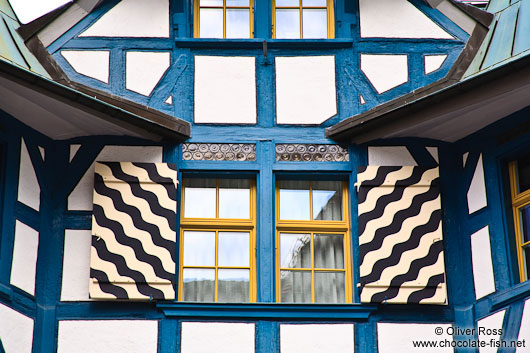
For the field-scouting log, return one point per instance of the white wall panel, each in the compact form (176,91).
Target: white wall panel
(305,89)
(225,90)
(81,197)
(397,19)
(24,264)
(73,150)
(316,338)
(482,263)
(492,322)
(207,337)
(476,194)
(76,265)
(390,156)
(144,70)
(91,63)
(108,336)
(434,153)
(16,331)
(433,62)
(385,71)
(28,185)
(133,18)
(398,338)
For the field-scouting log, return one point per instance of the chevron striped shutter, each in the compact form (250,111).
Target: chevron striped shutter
(134,231)
(400,235)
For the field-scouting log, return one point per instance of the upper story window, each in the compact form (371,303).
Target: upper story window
(309,19)
(292,19)
(217,241)
(312,242)
(519,171)
(223,19)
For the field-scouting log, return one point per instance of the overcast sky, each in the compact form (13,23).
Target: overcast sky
(28,10)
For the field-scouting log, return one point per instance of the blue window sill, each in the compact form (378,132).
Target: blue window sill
(268,311)
(258,43)
(510,295)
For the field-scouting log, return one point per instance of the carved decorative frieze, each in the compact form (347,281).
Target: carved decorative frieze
(239,152)
(311,153)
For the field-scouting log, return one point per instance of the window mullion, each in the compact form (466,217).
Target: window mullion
(301,23)
(312,268)
(224,20)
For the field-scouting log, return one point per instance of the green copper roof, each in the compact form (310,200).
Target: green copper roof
(508,38)
(12,47)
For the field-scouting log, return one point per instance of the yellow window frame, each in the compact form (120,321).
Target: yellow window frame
(329,12)
(196,16)
(519,200)
(315,227)
(220,225)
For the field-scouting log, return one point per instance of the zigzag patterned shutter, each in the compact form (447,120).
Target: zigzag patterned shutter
(400,235)
(134,231)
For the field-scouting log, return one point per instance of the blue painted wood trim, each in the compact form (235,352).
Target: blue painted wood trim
(366,337)
(518,292)
(267,337)
(268,311)
(511,326)
(168,336)
(266,232)
(257,43)
(6,292)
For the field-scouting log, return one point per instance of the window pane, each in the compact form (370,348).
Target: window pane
(199,248)
(287,23)
(526,261)
(211,23)
(237,3)
(295,287)
(315,3)
(288,3)
(523,171)
(234,198)
(329,251)
(295,250)
(233,286)
(525,223)
(327,200)
(294,200)
(198,285)
(206,3)
(329,287)
(234,249)
(199,198)
(237,23)
(315,24)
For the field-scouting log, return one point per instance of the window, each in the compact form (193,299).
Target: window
(223,19)
(217,241)
(312,242)
(519,171)
(310,19)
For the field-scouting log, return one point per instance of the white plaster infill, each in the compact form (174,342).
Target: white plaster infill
(483,275)
(144,70)
(390,156)
(133,18)
(385,71)
(218,337)
(104,336)
(90,63)
(397,19)
(225,90)
(305,89)
(316,338)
